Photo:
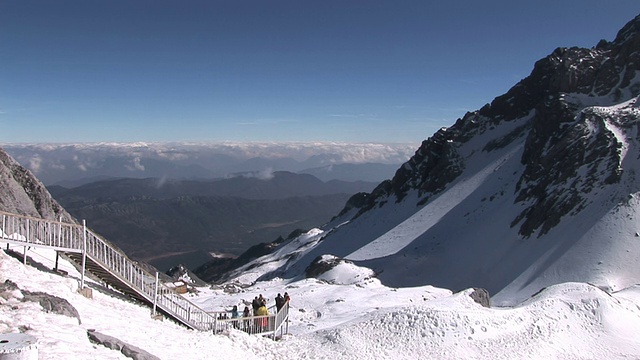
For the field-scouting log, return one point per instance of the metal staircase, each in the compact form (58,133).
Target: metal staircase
(112,266)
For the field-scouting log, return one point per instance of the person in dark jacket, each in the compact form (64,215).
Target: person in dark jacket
(255,304)
(279,302)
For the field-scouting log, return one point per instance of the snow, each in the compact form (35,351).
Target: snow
(409,230)
(467,236)
(360,319)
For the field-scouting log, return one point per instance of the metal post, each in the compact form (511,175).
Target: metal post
(56,266)
(60,232)
(84,252)
(155,297)
(24,258)
(4,228)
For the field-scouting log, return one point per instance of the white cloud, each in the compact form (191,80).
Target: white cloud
(35,163)
(136,165)
(391,153)
(266,174)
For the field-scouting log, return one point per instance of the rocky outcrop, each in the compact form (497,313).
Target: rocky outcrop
(53,304)
(50,303)
(113,343)
(321,265)
(481,296)
(22,193)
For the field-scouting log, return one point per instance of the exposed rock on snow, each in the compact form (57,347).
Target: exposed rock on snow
(49,303)
(335,270)
(127,350)
(481,296)
(321,265)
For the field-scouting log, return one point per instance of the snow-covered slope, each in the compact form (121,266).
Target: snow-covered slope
(363,320)
(537,188)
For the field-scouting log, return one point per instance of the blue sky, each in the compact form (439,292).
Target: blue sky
(261,70)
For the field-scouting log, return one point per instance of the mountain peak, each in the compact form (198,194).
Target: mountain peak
(509,193)
(630,33)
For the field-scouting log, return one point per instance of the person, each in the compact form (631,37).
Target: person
(279,302)
(234,316)
(246,313)
(255,304)
(234,312)
(286,297)
(262,300)
(262,322)
(262,310)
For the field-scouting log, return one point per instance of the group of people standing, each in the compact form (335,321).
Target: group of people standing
(281,300)
(259,305)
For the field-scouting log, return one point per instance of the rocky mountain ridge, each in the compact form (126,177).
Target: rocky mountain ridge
(536,188)
(556,110)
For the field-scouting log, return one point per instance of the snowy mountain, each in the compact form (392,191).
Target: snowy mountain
(537,188)
(531,197)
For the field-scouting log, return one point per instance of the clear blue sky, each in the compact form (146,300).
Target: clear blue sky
(271,70)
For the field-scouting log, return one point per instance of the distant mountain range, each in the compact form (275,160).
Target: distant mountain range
(166,222)
(256,186)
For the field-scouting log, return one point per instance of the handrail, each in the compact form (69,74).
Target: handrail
(256,324)
(40,232)
(68,237)
(26,230)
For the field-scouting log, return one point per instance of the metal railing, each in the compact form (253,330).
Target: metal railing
(39,232)
(263,324)
(67,237)
(30,231)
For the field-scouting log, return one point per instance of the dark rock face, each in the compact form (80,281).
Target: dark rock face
(435,164)
(481,296)
(550,179)
(570,146)
(321,265)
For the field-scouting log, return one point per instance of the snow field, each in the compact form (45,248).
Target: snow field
(358,318)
